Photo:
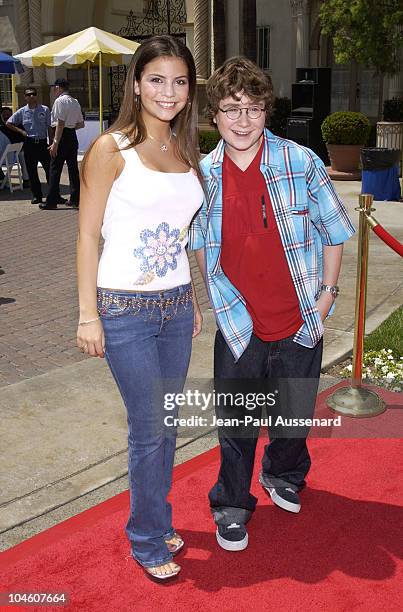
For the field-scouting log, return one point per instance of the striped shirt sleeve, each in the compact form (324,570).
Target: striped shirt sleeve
(330,215)
(197,229)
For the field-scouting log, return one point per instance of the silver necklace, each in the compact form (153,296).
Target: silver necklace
(163,146)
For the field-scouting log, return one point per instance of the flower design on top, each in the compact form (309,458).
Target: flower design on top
(160,249)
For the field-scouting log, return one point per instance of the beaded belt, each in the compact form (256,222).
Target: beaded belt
(106,298)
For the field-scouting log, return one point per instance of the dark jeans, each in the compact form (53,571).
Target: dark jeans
(147,348)
(291,373)
(67,152)
(35,152)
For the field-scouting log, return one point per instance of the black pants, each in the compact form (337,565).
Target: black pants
(66,152)
(289,374)
(36,151)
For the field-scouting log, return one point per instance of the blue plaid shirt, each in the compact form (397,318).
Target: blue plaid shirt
(309,214)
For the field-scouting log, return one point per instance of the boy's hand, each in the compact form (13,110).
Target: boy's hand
(324,303)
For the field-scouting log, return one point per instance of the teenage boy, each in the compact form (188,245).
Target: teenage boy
(268,240)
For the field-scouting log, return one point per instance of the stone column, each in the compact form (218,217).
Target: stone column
(24,38)
(300,13)
(395,85)
(36,36)
(201,40)
(249,20)
(218,33)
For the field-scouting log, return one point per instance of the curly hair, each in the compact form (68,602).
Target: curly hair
(238,76)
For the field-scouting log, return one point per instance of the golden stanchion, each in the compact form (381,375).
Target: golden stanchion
(356,400)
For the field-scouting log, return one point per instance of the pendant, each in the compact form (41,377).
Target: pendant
(164,148)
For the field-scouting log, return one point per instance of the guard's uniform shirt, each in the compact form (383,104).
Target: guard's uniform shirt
(35,121)
(66,109)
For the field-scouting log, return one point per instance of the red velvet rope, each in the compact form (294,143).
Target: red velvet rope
(388,239)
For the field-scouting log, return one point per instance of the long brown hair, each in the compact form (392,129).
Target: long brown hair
(130,121)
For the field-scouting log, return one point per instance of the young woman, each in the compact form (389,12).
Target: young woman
(140,190)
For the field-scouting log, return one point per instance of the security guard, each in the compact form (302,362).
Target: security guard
(33,122)
(66,118)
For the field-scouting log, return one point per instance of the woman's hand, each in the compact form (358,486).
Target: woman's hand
(91,339)
(324,304)
(198,320)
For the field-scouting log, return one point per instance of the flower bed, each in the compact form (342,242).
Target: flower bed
(383,368)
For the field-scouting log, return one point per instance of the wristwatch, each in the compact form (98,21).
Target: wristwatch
(332,289)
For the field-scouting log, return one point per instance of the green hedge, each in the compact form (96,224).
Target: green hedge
(346,128)
(208,140)
(278,120)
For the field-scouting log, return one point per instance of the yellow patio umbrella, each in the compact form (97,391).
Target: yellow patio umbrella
(90,45)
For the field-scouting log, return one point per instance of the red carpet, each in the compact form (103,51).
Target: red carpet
(342,552)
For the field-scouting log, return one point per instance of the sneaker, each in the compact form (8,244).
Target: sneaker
(232,537)
(284,497)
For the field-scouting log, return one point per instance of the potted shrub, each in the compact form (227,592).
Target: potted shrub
(345,133)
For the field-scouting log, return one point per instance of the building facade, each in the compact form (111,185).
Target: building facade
(282,35)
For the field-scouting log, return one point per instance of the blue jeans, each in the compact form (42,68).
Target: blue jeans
(292,372)
(148,340)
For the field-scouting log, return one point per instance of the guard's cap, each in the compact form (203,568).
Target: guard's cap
(61,83)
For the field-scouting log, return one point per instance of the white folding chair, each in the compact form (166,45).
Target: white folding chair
(9,159)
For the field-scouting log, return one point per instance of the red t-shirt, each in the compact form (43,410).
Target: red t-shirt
(252,255)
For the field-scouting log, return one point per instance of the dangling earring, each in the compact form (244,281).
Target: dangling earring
(138,102)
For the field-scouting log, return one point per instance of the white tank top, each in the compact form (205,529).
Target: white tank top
(145,226)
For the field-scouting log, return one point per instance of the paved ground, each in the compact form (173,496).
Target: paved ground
(63,427)
(38,294)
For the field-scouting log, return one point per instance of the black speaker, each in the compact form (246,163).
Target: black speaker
(320,76)
(310,104)
(310,100)
(306,131)
(298,130)
(311,94)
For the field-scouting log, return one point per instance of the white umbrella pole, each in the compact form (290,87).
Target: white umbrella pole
(13,93)
(89,85)
(100,93)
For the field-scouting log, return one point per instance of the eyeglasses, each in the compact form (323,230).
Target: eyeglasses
(31,93)
(253,112)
